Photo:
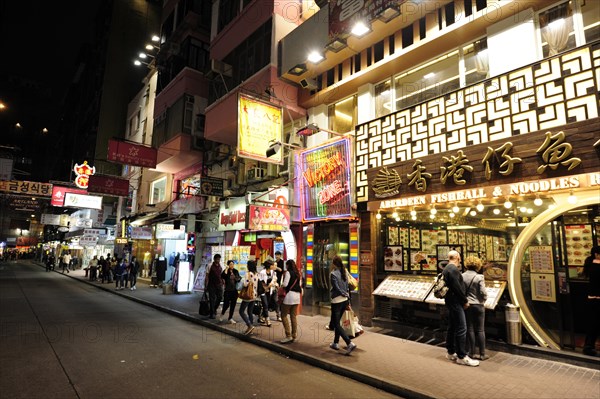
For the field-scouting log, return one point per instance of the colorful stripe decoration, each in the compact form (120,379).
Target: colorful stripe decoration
(309,257)
(354,250)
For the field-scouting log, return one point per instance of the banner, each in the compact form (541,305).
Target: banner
(111,185)
(260,124)
(268,218)
(131,154)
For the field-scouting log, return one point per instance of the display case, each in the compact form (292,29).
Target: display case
(411,288)
(494,289)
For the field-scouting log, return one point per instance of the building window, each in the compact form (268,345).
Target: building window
(342,115)
(383,98)
(477,67)
(591,25)
(556,27)
(158,190)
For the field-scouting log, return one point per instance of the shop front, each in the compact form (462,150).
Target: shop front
(526,205)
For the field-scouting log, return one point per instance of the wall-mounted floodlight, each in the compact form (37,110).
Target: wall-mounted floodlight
(273,149)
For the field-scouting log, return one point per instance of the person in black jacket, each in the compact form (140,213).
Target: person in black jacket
(231,277)
(591,269)
(456,302)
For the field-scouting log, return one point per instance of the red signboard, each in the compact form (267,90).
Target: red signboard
(108,185)
(58,194)
(131,154)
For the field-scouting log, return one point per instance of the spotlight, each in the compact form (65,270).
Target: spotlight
(473,213)
(273,149)
(433,211)
(479,207)
(496,211)
(395,214)
(413,212)
(451,215)
(529,211)
(432,216)
(508,204)
(414,217)
(523,209)
(572,199)
(538,201)
(397,218)
(378,216)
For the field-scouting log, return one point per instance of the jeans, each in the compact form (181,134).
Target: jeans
(125,279)
(337,310)
(229,301)
(118,280)
(456,336)
(246,309)
(215,295)
(132,279)
(291,310)
(264,299)
(475,329)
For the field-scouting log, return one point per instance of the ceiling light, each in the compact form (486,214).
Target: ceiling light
(433,211)
(142,56)
(496,211)
(572,199)
(455,208)
(395,214)
(378,216)
(431,216)
(414,217)
(397,218)
(298,69)
(315,57)
(480,207)
(451,214)
(337,45)
(360,29)
(529,211)
(508,204)
(538,201)
(473,213)
(413,212)
(155,38)
(429,75)
(523,209)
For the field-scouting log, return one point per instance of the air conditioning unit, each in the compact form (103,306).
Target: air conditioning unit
(256,174)
(221,68)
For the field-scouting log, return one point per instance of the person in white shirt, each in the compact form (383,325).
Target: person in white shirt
(66,261)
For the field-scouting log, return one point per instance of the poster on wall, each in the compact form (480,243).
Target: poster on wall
(541,259)
(542,287)
(267,218)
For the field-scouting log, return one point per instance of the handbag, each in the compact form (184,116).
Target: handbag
(352,282)
(204,307)
(247,292)
(282,292)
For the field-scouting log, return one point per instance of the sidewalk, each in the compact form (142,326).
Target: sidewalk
(402,367)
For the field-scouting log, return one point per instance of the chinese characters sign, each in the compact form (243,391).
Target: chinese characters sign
(83,173)
(326,181)
(131,154)
(268,218)
(260,124)
(109,185)
(59,192)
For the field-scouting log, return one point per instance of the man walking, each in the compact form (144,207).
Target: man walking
(214,285)
(456,302)
(66,261)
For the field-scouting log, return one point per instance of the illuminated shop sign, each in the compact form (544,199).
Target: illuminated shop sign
(326,181)
(131,154)
(109,185)
(83,201)
(59,192)
(259,125)
(232,214)
(26,187)
(83,173)
(268,218)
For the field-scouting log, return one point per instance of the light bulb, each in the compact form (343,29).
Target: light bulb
(529,211)
(538,201)
(508,204)
(397,218)
(473,213)
(431,216)
(572,199)
(413,213)
(378,216)
(479,207)
(496,211)
(452,214)
(414,217)
(455,208)
(433,211)
(523,209)
(395,214)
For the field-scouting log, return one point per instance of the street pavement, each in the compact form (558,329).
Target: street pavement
(405,368)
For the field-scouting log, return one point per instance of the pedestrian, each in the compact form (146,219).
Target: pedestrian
(214,285)
(119,271)
(339,302)
(125,276)
(103,267)
(134,268)
(292,282)
(50,262)
(231,277)
(279,269)
(591,270)
(66,261)
(93,268)
(456,302)
(247,305)
(267,286)
(475,313)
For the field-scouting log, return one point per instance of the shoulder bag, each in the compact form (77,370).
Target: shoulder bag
(247,292)
(282,292)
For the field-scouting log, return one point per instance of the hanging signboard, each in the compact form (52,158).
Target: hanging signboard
(260,124)
(131,154)
(83,201)
(83,173)
(58,194)
(232,214)
(110,185)
(268,218)
(26,187)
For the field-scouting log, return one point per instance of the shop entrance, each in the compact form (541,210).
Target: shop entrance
(330,239)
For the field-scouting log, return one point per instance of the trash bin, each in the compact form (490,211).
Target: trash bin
(513,324)
(167,289)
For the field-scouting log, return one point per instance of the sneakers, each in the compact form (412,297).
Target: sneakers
(451,357)
(231,321)
(480,357)
(350,348)
(287,340)
(221,319)
(249,330)
(467,361)
(334,346)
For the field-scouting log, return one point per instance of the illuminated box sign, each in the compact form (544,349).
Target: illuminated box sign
(26,187)
(121,241)
(83,201)
(268,218)
(167,231)
(131,154)
(83,173)
(259,124)
(232,214)
(141,233)
(109,185)
(325,182)
(58,194)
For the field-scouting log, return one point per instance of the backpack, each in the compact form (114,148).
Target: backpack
(440,289)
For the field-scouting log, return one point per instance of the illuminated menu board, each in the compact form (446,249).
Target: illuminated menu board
(325,181)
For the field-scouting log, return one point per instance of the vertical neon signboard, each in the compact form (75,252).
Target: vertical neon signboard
(310,234)
(354,250)
(325,181)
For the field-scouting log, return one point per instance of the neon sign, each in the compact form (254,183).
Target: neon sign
(331,165)
(83,173)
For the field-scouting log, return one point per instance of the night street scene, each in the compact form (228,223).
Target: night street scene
(300,199)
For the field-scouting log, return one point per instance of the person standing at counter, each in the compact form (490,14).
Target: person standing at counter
(591,269)
(476,296)
(456,302)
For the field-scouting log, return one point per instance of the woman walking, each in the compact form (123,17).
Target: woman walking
(247,306)
(339,302)
(475,313)
(231,277)
(292,282)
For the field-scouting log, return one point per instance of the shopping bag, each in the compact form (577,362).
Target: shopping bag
(358,329)
(204,307)
(347,322)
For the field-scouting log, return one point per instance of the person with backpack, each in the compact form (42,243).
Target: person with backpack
(134,268)
(456,302)
(476,296)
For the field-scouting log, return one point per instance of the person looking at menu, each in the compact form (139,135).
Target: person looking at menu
(591,269)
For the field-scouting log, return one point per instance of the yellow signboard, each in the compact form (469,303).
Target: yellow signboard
(260,124)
